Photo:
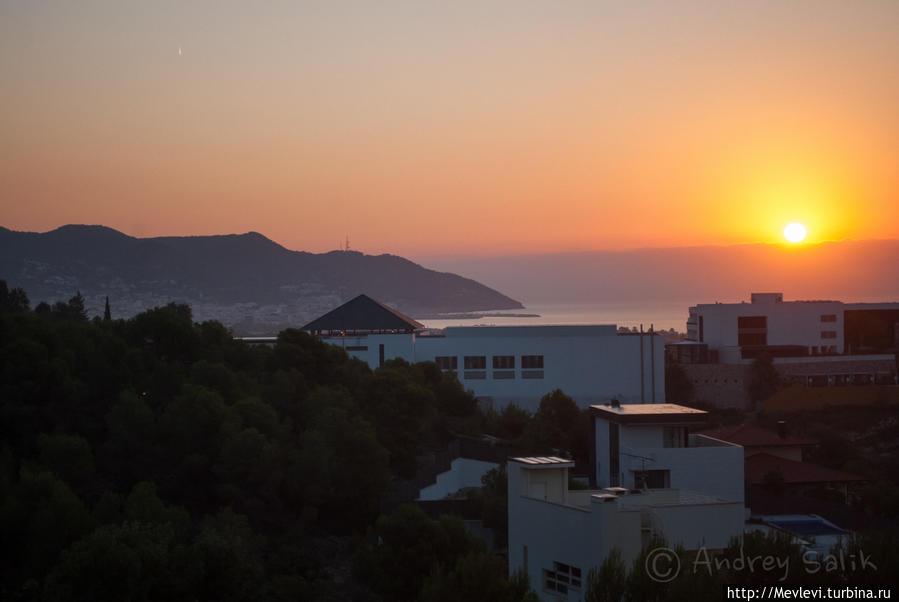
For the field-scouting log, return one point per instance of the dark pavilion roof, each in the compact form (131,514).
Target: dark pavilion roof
(362,314)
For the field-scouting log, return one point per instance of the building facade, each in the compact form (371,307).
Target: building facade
(509,364)
(652,446)
(556,535)
(733,333)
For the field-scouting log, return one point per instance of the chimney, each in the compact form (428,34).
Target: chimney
(782,429)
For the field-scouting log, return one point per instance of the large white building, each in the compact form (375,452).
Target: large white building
(504,364)
(738,332)
(653,478)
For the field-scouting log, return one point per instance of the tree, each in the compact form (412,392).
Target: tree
(107,315)
(407,548)
(39,518)
(12,300)
(75,309)
(399,408)
(68,456)
(609,583)
(495,504)
(475,576)
(677,386)
(136,561)
(513,421)
(764,380)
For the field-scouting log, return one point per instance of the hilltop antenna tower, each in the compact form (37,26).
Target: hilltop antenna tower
(346,247)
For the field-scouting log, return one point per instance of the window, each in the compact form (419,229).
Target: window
(357,348)
(828,317)
(503,366)
(828,334)
(532,362)
(531,366)
(752,322)
(752,330)
(475,367)
(674,436)
(562,578)
(503,362)
(447,362)
(652,479)
(475,362)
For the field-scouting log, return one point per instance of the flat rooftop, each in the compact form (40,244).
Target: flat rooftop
(536,330)
(650,413)
(544,462)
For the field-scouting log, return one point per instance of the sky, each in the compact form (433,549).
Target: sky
(430,129)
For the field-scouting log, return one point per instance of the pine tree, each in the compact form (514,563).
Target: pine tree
(75,310)
(107,315)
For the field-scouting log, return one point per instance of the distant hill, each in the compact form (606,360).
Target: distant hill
(846,270)
(237,278)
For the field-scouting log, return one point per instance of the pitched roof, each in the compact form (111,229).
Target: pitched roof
(362,313)
(749,435)
(756,467)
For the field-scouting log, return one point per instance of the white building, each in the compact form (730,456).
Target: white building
(504,364)
(650,445)
(737,332)
(685,487)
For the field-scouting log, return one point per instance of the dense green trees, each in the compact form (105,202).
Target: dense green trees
(409,556)
(156,458)
(559,426)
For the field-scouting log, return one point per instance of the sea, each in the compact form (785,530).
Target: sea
(660,316)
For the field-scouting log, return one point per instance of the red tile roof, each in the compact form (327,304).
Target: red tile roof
(756,467)
(749,435)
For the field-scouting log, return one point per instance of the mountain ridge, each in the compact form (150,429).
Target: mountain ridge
(273,284)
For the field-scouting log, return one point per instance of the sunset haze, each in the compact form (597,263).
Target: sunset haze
(440,129)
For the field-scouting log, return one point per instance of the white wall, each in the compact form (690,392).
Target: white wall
(463,472)
(592,364)
(715,471)
(719,523)
(583,536)
(641,436)
(788,323)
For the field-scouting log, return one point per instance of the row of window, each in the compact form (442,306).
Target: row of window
(828,334)
(479,362)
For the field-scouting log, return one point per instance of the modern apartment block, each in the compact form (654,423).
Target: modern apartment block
(812,343)
(738,332)
(504,364)
(653,477)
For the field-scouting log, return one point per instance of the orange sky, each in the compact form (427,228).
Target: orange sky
(428,129)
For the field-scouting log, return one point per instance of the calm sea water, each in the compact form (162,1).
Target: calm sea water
(660,315)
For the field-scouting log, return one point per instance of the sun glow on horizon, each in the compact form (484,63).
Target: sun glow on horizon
(794,232)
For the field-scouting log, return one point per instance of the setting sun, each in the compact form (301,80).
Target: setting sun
(794,232)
